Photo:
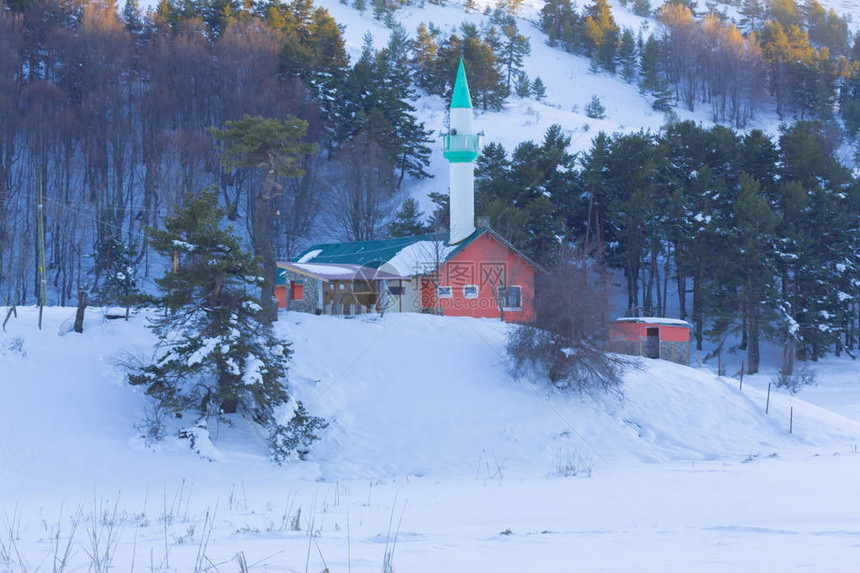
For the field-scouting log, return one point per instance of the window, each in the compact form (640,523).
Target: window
(470,291)
(297,290)
(395,290)
(444,292)
(511,297)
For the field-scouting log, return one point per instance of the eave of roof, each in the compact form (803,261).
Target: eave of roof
(338,272)
(375,254)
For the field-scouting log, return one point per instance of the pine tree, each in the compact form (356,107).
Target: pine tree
(594,109)
(408,144)
(132,17)
(216,355)
(424,50)
(523,86)
(114,259)
(275,147)
(752,15)
(560,22)
(600,34)
(314,51)
(642,8)
(407,220)
(627,55)
(538,89)
(514,47)
(440,219)
(816,229)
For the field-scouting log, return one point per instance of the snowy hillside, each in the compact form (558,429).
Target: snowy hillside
(570,83)
(425,422)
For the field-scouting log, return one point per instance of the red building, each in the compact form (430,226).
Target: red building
(650,337)
(482,276)
(486,278)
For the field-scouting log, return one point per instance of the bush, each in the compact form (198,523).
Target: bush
(566,345)
(296,436)
(794,379)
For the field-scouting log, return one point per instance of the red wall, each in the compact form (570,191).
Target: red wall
(482,263)
(632,331)
(281,295)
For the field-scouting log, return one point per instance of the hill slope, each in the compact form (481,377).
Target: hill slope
(450,450)
(405,394)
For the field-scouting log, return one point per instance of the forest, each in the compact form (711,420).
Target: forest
(798,57)
(110,115)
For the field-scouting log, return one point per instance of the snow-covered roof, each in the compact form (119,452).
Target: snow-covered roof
(419,258)
(342,272)
(654,320)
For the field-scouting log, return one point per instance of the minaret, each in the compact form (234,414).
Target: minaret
(461,147)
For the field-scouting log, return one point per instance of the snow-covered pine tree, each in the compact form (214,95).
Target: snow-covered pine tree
(216,354)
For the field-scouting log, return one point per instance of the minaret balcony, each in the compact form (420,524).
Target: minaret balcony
(461,148)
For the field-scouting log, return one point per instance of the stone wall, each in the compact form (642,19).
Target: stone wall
(678,352)
(310,300)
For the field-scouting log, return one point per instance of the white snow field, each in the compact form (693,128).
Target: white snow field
(434,456)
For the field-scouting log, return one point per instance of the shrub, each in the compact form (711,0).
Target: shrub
(566,345)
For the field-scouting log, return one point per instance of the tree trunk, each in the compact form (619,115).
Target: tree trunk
(264,248)
(753,354)
(79,314)
(682,296)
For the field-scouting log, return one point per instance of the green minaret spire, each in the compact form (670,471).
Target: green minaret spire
(461,96)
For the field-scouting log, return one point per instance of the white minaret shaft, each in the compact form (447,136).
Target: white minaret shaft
(461,147)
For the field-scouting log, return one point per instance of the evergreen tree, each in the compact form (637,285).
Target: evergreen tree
(379,102)
(642,8)
(441,217)
(514,47)
(816,230)
(752,15)
(523,86)
(538,89)
(408,144)
(560,22)
(276,148)
(132,17)
(652,80)
(600,34)
(627,56)
(114,261)
(424,49)
(314,51)
(594,109)
(217,354)
(407,220)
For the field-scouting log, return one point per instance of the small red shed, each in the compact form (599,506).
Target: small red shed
(665,338)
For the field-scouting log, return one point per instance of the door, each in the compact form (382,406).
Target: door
(652,342)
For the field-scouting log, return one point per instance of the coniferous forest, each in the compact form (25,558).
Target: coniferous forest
(115,114)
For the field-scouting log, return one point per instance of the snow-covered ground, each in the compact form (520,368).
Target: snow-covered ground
(432,442)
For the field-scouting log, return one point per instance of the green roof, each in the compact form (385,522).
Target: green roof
(371,254)
(374,254)
(461,96)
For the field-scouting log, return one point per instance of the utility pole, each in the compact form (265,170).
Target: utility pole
(40,210)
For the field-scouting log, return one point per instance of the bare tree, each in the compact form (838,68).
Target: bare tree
(362,187)
(567,342)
